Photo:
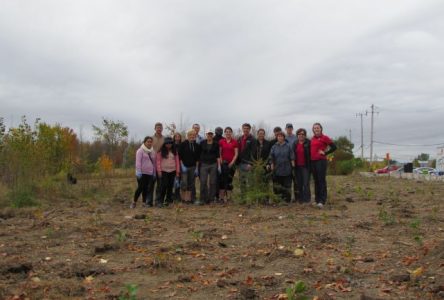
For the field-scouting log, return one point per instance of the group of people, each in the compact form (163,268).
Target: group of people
(170,165)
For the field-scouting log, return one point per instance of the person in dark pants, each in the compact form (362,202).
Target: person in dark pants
(291,139)
(218,135)
(189,154)
(229,150)
(209,167)
(321,145)
(262,148)
(158,139)
(282,163)
(177,140)
(145,172)
(302,166)
(167,171)
(247,144)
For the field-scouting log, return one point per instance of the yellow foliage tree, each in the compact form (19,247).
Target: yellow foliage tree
(105,164)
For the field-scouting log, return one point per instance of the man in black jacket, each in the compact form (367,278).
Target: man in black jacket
(189,154)
(247,146)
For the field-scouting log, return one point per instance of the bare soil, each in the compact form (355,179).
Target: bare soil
(378,238)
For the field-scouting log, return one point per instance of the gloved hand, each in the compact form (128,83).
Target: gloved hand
(182,167)
(138,174)
(177,182)
(196,172)
(219,169)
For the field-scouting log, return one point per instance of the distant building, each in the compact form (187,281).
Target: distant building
(440,159)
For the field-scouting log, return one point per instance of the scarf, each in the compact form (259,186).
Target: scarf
(146,150)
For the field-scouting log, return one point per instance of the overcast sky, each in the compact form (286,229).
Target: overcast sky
(228,62)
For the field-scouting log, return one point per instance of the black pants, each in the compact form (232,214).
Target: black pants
(166,187)
(303,184)
(295,186)
(144,186)
(156,186)
(319,170)
(176,192)
(282,187)
(226,178)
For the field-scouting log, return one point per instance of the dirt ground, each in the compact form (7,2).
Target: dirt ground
(378,238)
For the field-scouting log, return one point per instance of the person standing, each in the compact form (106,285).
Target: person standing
(167,171)
(282,163)
(302,166)
(263,147)
(320,146)
(177,140)
(209,167)
(189,153)
(217,137)
(199,138)
(228,155)
(145,172)
(276,130)
(218,134)
(247,144)
(291,138)
(158,139)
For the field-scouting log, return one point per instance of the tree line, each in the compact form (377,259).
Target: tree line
(31,152)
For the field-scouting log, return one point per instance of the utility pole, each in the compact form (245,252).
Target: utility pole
(350,135)
(361,115)
(371,132)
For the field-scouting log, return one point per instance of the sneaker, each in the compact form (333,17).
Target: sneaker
(320,205)
(197,202)
(133,205)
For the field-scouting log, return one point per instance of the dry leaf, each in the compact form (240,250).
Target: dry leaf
(88,279)
(417,272)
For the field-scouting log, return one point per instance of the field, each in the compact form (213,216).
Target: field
(378,238)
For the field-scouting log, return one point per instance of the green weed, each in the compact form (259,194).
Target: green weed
(297,291)
(121,236)
(386,217)
(130,292)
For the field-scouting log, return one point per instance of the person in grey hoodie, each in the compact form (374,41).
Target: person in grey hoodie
(282,162)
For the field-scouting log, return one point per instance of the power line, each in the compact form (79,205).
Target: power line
(408,145)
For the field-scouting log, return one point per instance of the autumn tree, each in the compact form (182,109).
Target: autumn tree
(114,135)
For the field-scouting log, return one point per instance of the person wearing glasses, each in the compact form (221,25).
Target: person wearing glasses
(282,163)
(320,146)
(302,166)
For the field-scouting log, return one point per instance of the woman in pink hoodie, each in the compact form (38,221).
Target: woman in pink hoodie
(145,171)
(167,171)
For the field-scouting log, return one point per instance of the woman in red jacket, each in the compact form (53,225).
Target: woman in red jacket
(320,146)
